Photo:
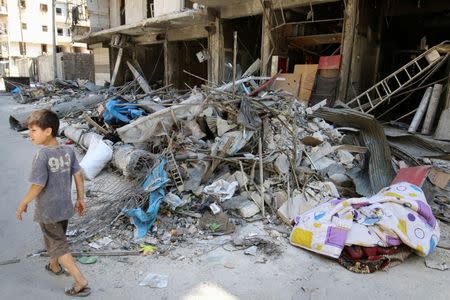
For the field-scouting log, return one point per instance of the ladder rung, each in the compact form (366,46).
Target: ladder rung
(398,81)
(370,100)
(418,66)
(359,104)
(407,73)
(386,86)
(378,93)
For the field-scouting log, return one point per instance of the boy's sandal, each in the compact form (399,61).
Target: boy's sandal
(60,272)
(83,292)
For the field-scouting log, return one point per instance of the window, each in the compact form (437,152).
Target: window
(68,31)
(24,25)
(44,28)
(58,11)
(44,8)
(60,31)
(22,4)
(44,48)
(23,48)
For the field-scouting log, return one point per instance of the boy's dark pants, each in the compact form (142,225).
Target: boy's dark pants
(55,238)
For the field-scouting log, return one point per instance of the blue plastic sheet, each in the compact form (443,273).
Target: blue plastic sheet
(16,90)
(120,115)
(155,182)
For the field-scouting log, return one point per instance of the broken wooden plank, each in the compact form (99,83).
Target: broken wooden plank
(116,66)
(94,124)
(311,40)
(291,83)
(308,77)
(140,78)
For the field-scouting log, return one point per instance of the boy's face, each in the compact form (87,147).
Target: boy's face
(40,136)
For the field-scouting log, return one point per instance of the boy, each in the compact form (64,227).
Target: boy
(51,180)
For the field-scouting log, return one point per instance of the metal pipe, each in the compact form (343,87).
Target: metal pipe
(420,111)
(234,62)
(261,177)
(55,73)
(306,22)
(432,108)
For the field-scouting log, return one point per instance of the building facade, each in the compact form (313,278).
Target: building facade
(26,32)
(372,38)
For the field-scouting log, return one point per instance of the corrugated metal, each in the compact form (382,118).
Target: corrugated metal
(379,172)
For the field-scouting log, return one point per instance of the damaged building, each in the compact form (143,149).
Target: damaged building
(212,114)
(323,49)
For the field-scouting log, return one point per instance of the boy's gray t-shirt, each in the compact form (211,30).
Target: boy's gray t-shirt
(53,168)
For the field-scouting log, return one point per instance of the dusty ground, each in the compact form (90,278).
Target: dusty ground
(205,270)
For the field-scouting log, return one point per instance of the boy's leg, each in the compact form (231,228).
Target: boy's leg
(58,247)
(69,263)
(54,264)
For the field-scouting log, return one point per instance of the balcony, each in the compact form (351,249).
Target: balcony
(3,10)
(4,52)
(3,31)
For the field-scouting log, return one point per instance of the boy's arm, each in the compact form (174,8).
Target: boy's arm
(33,191)
(79,184)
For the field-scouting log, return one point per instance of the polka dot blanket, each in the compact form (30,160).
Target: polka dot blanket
(397,214)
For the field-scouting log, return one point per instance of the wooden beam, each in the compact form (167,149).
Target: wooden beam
(216,51)
(140,79)
(349,28)
(187,33)
(116,66)
(254,7)
(266,40)
(171,63)
(312,40)
(148,39)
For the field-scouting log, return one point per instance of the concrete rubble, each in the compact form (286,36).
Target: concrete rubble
(231,162)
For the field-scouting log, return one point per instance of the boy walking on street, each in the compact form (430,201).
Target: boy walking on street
(51,180)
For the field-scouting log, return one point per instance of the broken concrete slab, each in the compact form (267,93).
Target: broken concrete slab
(439,259)
(248,209)
(443,129)
(156,124)
(281,164)
(345,157)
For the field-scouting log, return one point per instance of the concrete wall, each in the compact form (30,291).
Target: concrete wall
(23,66)
(45,68)
(114,13)
(102,67)
(33,50)
(135,11)
(73,66)
(163,7)
(98,14)
(70,66)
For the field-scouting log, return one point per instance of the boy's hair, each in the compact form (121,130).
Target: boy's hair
(44,119)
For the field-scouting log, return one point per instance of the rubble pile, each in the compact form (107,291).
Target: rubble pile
(167,169)
(52,93)
(222,155)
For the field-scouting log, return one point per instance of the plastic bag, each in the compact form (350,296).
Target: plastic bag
(96,158)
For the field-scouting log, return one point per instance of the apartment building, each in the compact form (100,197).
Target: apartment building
(26,32)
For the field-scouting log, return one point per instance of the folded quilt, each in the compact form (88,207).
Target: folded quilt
(398,214)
